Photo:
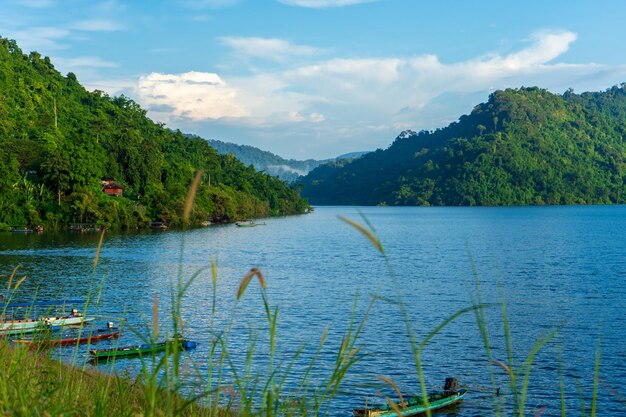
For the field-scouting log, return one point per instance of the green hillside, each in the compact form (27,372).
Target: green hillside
(523,146)
(58,142)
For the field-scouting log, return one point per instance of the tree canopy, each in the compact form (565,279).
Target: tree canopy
(524,146)
(59,142)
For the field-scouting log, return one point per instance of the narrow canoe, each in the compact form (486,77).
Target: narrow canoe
(100,334)
(414,405)
(40,327)
(139,350)
(245,223)
(71,320)
(31,324)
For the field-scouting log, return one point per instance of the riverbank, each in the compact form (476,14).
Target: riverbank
(31,383)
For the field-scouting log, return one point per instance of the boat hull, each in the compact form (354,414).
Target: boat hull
(139,350)
(92,337)
(16,327)
(415,405)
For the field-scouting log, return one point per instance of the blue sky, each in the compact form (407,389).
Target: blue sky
(318,78)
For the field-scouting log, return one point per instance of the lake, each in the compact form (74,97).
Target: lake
(557,268)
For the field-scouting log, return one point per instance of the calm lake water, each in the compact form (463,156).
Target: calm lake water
(556,267)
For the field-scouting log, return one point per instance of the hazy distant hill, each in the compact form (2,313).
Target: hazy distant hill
(523,146)
(286,169)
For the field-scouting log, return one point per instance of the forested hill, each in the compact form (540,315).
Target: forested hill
(288,170)
(59,142)
(523,146)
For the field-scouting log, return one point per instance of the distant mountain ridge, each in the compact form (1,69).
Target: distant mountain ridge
(524,146)
(289,170)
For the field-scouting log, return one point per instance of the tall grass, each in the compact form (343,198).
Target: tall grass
(519,375)
(33,384)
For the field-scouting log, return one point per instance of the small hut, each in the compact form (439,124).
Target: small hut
(110,187)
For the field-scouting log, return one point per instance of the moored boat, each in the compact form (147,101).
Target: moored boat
(245,223)
(21,229)
(24,327)
(140,350)
(50,340)
(16,321)
(72,319)
(248,223)
(415,404)
(159,226)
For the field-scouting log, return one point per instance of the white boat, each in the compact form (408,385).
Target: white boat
(13,325)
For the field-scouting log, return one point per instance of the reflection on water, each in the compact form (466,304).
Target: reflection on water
(559,267)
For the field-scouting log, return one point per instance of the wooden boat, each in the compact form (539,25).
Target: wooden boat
(24,327)
(73,319)
(21,229)
(159,226)
(49,340)
(414,405)
(248,223)
(140,350)
(84,227)
(245,223)
(16,323)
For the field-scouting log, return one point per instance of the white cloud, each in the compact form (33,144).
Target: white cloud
(323,4)
(83,62)
(112,87)
(317,117)
(267,48)
(360,101)
(40,38)
(193,95)
(373,90)
(97,25)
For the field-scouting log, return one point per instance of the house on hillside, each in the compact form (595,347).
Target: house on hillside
(110,187)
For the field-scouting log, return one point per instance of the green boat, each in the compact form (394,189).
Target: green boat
(139,350)
(415,405)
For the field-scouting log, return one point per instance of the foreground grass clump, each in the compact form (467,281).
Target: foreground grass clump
(33,384)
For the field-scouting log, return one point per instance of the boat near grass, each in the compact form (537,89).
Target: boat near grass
(415,405)
(17,318)
(50,339)
(140,350)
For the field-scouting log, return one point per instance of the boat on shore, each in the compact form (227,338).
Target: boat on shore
(47,339)
(415,405)
(140,350)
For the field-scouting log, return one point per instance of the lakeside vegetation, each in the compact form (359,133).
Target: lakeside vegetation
(524,146)
(59,142)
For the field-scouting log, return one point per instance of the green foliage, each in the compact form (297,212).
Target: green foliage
(58,142)
(524,146)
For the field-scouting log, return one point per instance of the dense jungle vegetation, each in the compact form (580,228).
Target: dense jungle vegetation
(524,146)
(58,142)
